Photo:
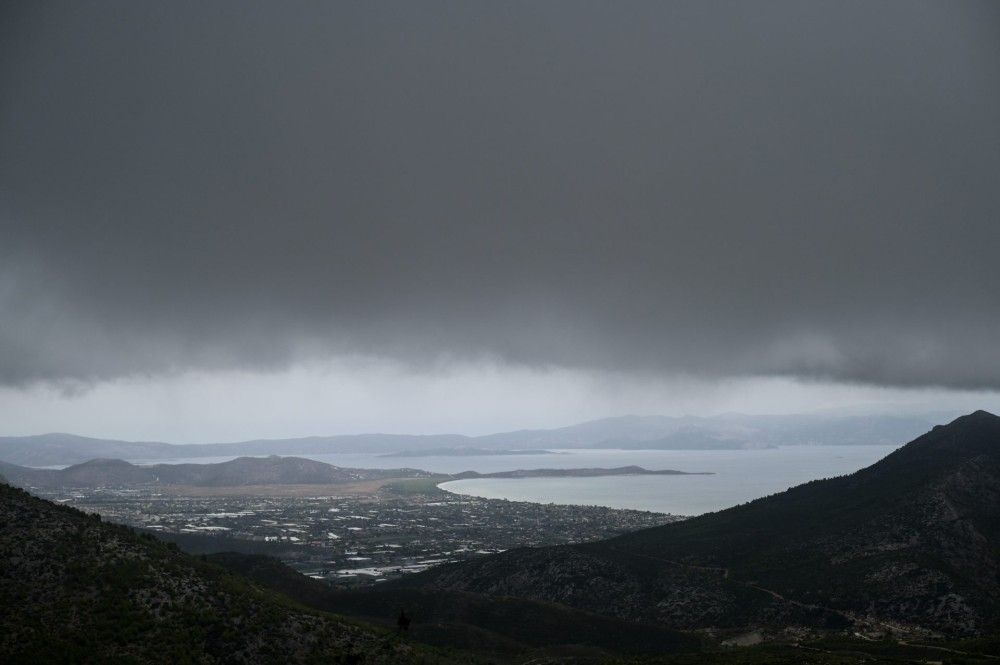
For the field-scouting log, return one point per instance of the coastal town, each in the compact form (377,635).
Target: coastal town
(356,539)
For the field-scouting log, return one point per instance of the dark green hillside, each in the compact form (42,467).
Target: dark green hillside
(913,537)
(910,542)
(511,630)
(75,589)
(473,621)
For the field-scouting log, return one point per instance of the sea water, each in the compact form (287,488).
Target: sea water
(737,476)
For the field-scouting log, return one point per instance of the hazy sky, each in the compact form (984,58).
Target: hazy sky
(316,217)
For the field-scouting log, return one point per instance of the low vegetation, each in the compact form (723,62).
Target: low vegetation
(76,589)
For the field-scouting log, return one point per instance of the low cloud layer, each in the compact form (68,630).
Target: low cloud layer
(726,189)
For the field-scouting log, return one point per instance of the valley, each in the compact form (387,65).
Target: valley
(351,536)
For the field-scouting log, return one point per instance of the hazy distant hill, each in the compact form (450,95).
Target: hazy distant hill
(51,449)
(58,449)
(682,441)
(913,539)
(238,472)
(635,432)
(75,589)
(465,452)
(729,431)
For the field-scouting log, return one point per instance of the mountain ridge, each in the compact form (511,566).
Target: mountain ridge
(912,540)
(635,432)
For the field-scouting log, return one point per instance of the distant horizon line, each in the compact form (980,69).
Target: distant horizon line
(930,417)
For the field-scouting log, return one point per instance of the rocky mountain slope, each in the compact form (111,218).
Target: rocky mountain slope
(472,621)
(910,543)
(74,589)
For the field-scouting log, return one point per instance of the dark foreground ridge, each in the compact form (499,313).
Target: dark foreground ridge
(909,545)
(75,589)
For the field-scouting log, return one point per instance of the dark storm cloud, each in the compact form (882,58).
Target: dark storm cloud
(808,189)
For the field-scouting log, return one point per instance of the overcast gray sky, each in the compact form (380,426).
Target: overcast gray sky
(637,206)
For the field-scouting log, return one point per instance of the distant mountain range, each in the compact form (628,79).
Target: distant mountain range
(632,432)
(910,543)
(687,440)
(729,431)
